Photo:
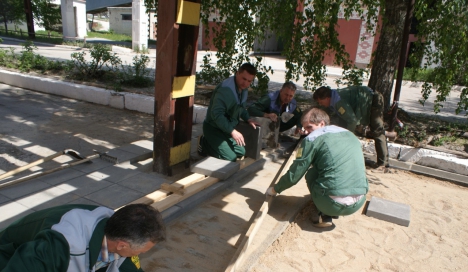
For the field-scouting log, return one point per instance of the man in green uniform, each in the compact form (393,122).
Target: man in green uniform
(279,104)
(81,238)
(220,139)
(336,175)
(359,107)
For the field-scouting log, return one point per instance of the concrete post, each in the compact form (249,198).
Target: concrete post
(73,18)
(139,25)
(68,19)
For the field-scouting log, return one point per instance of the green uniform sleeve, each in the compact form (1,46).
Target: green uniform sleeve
(298,168)
(49,251)
(219,111)
(260,107)
(346,113)
(131,264)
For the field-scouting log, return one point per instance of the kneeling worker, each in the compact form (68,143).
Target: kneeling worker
(336,175)
(279,104)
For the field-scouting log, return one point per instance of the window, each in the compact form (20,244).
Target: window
(126,17)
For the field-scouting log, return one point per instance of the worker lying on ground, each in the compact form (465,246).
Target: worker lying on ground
(81,238)
(279,105)
(336,175)
(359,107)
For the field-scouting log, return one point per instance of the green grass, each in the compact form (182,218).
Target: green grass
(41,36)
(109,36)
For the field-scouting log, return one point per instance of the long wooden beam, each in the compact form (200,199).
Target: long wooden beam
(246,239)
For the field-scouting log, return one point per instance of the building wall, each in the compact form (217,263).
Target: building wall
(120,20)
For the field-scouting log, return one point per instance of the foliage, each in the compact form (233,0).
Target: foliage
(46,14)
(28,60)
(444,26)
(353,77)
(109,35)
(136,75)
(101,61)
(11,10)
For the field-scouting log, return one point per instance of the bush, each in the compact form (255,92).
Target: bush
(102,61)
(138,74)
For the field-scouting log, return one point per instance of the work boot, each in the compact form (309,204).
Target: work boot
(200,148)
(391,135)
(322,221)
(380,168)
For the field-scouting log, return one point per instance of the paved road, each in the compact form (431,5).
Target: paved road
(409,98)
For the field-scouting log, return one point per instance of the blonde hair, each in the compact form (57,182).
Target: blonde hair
(315,116)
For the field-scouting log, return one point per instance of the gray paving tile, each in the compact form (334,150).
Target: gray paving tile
(114,196)
(91,167)
(84,201)
(4,199)
(121,155)
(144,183)
(12,211)
(214,167)
(85,185)
(61,176)
(116,173)
(24,188)
(138,147)
(50,197)
(390,211)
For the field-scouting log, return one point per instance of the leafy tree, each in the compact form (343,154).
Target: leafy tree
(11,10)
(310,35)
(46,14)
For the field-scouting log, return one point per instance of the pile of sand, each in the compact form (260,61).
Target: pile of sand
(436,239)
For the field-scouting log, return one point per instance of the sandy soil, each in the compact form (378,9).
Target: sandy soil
(436,239)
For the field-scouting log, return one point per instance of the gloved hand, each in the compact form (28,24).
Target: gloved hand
(271,191)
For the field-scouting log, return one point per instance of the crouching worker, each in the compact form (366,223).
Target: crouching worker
(336,175)
(81,238)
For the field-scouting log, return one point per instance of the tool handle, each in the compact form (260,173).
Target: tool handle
(27,166)
(13,182)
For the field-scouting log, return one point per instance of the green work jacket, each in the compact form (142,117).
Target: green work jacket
(227,106)
(353,105)
(46,241)
(333,160)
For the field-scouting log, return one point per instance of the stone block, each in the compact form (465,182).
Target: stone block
(269,132)
(390,211)
(252,138)
(214,167)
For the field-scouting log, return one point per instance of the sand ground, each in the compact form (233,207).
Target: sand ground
(436,239)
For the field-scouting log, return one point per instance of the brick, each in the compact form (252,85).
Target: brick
(216,168)
(390,211)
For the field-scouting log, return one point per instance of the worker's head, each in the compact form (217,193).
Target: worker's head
(287,92)
(323,96)
(134,229)
(245,75)
(314,118)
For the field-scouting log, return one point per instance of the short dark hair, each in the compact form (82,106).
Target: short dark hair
(136,224)
(322,93)
(315,116)
(249,68)
(289,85)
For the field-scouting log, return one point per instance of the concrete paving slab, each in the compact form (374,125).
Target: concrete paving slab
(143,182)
(390,211)
(214,167)
(114,196)
(61,176)
(4,199)
(91,167)
(252,138)
(12,211)
(49,198)
(24,188)
(116,173)
(84,201)
(85,185)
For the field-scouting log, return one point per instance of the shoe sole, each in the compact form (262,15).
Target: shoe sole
(323,225)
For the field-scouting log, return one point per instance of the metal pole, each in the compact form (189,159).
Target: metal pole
(401,64)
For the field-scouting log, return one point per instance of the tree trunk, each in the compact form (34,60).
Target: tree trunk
(386,55)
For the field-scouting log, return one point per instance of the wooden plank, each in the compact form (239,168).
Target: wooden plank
(179,186)
(173,199)
(153,197)
(246,239)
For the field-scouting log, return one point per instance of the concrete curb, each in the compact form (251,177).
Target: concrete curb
(141,103)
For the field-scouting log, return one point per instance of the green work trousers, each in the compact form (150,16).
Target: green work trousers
(330,207)
(220,145)
(377,129)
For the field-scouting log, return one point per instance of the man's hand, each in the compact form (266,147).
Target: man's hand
(300,131)
(253,123)
(237,136)
(271,191)
(273,117)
